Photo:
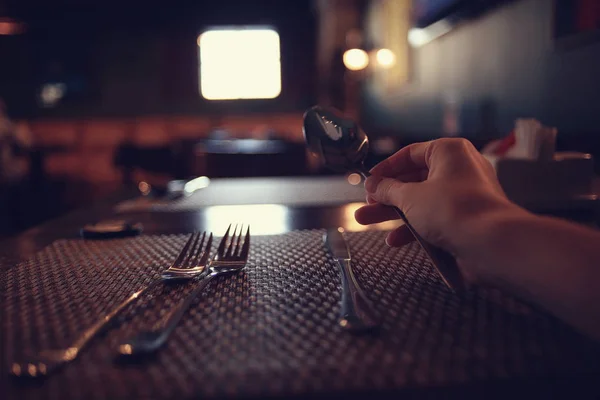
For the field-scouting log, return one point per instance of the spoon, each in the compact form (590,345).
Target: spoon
(343,146)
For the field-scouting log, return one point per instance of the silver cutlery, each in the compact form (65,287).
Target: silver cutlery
(343,146)
(231,257)
(189,264)
(357,313)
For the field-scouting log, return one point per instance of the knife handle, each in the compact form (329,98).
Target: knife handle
(444,262)
(357,312)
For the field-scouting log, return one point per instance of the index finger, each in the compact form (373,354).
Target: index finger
(409,158)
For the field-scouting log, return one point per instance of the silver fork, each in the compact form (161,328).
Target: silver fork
(231,257)
(193,255)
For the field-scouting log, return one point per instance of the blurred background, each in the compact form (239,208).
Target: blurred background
(101,95)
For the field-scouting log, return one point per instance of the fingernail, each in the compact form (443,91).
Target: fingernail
(371,183)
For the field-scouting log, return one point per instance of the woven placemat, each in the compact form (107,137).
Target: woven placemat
(297,191)
(272,329)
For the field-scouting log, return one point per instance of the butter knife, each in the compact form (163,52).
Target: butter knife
(357,313)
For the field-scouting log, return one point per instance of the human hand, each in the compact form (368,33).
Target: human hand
(446,189)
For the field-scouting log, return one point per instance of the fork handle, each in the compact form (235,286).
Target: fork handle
(92,331)
(149,341)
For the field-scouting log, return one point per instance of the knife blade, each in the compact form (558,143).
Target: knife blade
(356,312)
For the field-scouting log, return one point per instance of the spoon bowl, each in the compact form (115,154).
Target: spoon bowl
(336,140)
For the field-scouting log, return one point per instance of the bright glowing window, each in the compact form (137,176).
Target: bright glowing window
(242,63)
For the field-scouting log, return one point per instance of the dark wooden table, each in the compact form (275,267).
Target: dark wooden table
(287,218)
(283,218)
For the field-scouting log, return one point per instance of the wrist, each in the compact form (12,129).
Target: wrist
(487,237)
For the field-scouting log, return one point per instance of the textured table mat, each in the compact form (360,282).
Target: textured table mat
(271,330)
(297,191)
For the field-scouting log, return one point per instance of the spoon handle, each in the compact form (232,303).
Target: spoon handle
(444,262)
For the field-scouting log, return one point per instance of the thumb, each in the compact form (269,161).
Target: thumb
(387,191)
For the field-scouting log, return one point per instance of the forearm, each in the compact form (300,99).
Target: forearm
(551,262)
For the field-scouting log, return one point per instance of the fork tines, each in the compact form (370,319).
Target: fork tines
(234,248)
(194,253)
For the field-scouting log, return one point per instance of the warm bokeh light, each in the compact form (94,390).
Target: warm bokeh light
(11,27)
(198,183)
(418,37)
(144,188)
(354,179)
(356,59)
(351,225)
(52,93)
(264,219)
(239,64)
(385,58)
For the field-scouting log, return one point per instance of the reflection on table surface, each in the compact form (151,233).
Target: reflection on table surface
(274,219)
(202,192)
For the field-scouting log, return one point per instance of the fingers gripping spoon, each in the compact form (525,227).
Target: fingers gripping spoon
(343,146)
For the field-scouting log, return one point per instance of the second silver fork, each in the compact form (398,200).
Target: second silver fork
(231,257)
(193,255)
